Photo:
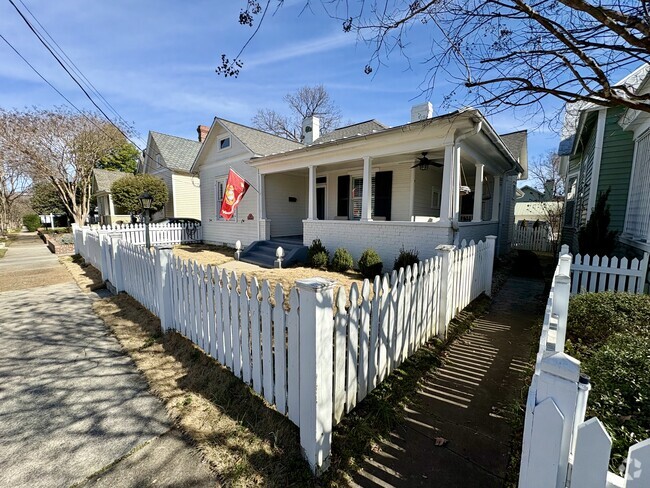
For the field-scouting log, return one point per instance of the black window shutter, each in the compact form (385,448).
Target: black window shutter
(383,193)
(343,202)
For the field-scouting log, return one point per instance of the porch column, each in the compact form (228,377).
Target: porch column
(110,205)
(311,212)
(496,199)
(366,210)
(478,194)
(456,185)
(262,196)
(447,182)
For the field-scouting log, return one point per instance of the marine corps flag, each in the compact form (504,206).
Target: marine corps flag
(235,190)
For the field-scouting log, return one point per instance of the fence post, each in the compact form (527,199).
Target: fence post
(564,250)
(565,263)
(103,254)
(118,277)
(75,227)
(446,288)
(561,293)
(163,287)
(549,434)
(492,242)
(316,297)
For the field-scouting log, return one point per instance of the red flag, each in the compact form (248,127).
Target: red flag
(236,188)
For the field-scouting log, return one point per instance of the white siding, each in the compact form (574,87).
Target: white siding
(186,196)
(216,164)
(424,181)
(286,217)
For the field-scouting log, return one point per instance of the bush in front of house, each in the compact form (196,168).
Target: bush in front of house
(370,264)
(594,317)
(32,222)
(342,260)
(406,258)
(317,255)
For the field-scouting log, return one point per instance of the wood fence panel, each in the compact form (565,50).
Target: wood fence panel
(244,304)
(256,340)
(340,353)
(353,348)
(235,326)
(374,335)
(293,358)
(227,326)
(591,458)
(267,342)
(280,350)
(364,341)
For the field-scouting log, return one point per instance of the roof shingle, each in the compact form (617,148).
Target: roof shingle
(178,153)
(259,142)
(105,178)
(360,129)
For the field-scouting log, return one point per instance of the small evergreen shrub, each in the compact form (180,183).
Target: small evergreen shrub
(315,249)
(320,260)
(406,258)
(32,222)
(342,260)
(370,264)
(595,238)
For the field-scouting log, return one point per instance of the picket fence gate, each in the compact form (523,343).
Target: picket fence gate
(560,449)
(271,342)
(532,239)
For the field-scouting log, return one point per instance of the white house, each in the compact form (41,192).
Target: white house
(170,158)
(435,180)
(107,212)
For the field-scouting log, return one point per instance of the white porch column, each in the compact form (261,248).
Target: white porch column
(447,182)
(496,199)
(366,210)
(111,206)
(478,194)
(311,212)
(262,196)
(456,185)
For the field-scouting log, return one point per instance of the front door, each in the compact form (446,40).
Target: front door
(320,203)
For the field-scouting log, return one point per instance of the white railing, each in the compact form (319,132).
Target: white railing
(595,273)
(159,234)
(532,239)
(559,448)
(272,345)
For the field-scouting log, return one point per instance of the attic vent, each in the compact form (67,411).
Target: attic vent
(224,143)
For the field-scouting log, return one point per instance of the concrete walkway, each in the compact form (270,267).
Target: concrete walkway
(74,410)
(463,401)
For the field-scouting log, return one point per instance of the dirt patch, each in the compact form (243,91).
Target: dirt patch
(223,257)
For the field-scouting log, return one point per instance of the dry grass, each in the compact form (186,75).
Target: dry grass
(224,258)
(87,277)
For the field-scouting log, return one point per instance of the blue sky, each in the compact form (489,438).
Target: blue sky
(155,62)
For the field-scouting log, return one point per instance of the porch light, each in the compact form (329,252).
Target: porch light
(424,166)
(146,200)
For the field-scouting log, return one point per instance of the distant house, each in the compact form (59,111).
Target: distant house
(170,158)
(608,148)
(435,180)
(533,205)
(107,212)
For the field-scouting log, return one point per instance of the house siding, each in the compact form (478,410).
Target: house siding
(286,217)
(616,167)
(423,182)
(186,196)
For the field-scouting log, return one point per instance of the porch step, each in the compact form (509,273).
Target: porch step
(262,253)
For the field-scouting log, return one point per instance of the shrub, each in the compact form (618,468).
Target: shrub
(406,258)
(127,190)
(315,249)
(620,397)
(320,260)
(595,238)
(342,260)
(594,317)
(32,222)
(67,239)
(370,264)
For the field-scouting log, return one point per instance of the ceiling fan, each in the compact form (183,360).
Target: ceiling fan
(423,162)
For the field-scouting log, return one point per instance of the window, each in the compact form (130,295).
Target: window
(157,161)
(224,143)
(570,205)
(435,198)
(219,189)
(357,193)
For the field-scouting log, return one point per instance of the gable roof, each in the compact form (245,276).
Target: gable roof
(360,129)
(178,153)
(105,178)
(574,111)
(260,143)
(515,141)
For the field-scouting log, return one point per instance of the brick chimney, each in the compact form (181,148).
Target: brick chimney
(203,132)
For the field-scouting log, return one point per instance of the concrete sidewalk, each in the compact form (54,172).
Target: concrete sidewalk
(463,401)
(74,410)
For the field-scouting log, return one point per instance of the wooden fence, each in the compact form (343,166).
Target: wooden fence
(159,234)
(270,339)
(595,273)
(532,239)
(559,448)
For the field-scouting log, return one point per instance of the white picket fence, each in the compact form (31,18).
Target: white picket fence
(159,234)
(595,273)
(532,239)
(312,357)
(559,448)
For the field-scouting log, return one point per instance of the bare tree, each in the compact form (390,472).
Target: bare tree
(61,147)
(14,184)
(305,102)
(545,176)
(499,53)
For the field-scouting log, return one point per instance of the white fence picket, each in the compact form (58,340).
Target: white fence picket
(280,350)
(595,273)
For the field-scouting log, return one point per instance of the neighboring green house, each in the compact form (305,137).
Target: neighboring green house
(108,213)
(598,153)
(170,158)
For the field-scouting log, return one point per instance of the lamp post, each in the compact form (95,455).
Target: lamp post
(146,200)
